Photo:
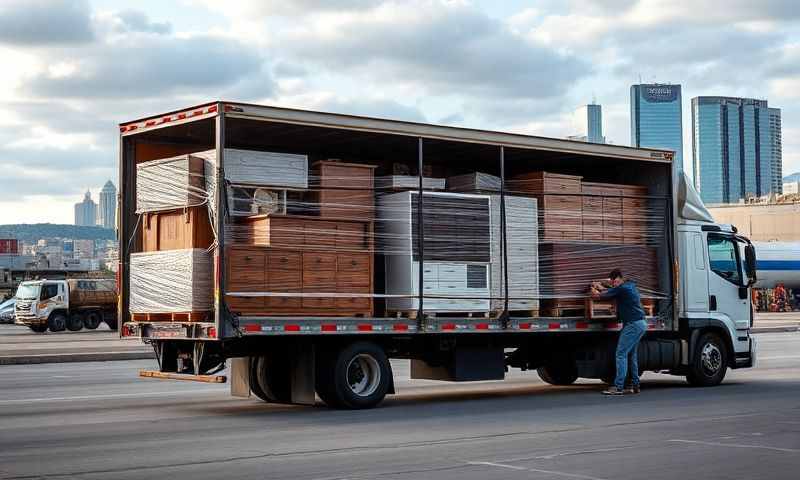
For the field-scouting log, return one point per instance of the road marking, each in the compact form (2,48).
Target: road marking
(736,445)
(779,357)
(501,465)
(100,397)
(535,470)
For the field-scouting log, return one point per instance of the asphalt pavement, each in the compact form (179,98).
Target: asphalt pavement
(98,421)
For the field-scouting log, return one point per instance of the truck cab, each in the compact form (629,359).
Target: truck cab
(717,270)
(41,304)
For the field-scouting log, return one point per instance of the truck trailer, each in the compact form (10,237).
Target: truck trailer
(304,250)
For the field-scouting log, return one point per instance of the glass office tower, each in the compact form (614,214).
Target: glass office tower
(656,118)
(594,121)
(731,148)
(777,149)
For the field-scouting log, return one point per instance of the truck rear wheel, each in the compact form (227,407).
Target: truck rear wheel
(558,375)
(709,362)
(272,373)
(57,322)
(111,320)
(92,320)
(356,376)
(74,323)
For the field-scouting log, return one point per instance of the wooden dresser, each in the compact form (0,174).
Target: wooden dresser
(303,255)
(559,200)
(345,190)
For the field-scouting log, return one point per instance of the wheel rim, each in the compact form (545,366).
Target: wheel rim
(59,323)
(363,375)
(711,357)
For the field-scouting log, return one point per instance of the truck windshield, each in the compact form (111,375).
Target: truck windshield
(28,292)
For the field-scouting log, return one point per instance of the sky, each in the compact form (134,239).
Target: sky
(74,69)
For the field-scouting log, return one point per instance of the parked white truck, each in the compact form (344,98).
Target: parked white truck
(60,305)
(247,280)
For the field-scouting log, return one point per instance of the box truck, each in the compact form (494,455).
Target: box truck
(304,250)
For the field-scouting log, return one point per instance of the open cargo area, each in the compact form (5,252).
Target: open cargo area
(243,220)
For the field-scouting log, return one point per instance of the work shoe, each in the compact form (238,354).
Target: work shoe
(634,390)
(613,390)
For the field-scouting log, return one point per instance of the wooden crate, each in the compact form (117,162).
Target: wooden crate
(560,203)
(176,229)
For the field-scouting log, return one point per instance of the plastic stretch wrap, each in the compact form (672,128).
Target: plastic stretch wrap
(252,167)
(176,182)
(171,281)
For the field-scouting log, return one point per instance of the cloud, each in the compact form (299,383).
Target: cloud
(136,21)
(45,22)
(146,65)
(371,107)
(264,8)
(438,48)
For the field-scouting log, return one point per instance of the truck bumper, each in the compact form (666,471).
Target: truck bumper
(747,359)
(29,321)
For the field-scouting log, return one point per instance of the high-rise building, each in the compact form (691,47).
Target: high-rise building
(731,149)
(656,120)
(108,205)
(86,211)
(588,120)
(777,149)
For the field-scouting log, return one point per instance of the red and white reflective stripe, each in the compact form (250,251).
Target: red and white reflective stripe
(153,122)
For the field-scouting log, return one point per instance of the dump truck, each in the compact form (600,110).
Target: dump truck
(303,250)
(59,305)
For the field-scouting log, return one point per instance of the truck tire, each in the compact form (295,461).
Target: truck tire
(355,377)
(709,362)
(92,320)
(272,372)
(255,386)
(111,321)
(74,323)
(38,328)
(565,374)
(57,322)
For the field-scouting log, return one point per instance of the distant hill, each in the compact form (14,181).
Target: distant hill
(795,177)
(30,233)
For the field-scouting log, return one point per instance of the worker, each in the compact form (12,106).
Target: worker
(631,314)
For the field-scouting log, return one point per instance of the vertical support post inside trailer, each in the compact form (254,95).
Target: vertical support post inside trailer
(503,236)
(127,225)
(420,240)
(219,266)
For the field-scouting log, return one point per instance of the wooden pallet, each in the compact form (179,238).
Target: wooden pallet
(563,307)
(412,314)
(170,317)
(523,313)
(596,309)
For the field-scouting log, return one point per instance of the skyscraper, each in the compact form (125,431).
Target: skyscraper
(588,120)
(108,205)
(777,149)
(86,211)
(656,118)
(731,148)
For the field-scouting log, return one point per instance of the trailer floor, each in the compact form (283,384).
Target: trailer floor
(99,420)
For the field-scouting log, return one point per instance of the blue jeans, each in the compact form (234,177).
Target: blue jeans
(627,347)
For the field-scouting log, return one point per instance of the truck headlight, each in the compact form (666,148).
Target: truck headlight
(41,305)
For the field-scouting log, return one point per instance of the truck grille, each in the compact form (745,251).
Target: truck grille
(23,306)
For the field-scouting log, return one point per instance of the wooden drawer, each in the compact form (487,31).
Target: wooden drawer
(319,234)
(319,281)
(353,279)
(344,175)
(284,302)
(284,281)
(287,232)
(545,182)
(246,269)
(570,204)
(283,260)
(634,206)
(605,189)
(592,229)
(314,261)
(352,236)
(354,303)
(246,304)
(345,204)
(354,262)
(612,206)
(319,302)
(592,205)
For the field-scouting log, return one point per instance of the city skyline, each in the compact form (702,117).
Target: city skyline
(657,118)
(509,68)
(101,213)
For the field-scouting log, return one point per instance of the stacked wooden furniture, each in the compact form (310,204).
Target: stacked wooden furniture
(171,276)
(559,200)
(292,265)
(634,214)
(602,212)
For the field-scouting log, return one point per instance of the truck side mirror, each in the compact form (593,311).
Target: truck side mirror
(750,263)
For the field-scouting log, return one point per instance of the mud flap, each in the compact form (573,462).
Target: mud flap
(240,377)
(303,374)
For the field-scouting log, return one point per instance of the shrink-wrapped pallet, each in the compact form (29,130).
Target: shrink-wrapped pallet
(473,183)
(172,281)
(408,182)
(175,182)
(250,167)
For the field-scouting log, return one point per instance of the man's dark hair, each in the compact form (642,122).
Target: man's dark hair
(616,273)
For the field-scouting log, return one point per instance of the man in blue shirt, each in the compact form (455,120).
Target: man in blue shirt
(631,314)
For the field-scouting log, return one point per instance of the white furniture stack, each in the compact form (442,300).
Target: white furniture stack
(522,240)
(171,281)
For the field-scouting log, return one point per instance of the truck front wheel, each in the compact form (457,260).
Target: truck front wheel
(558,374)
(709,362)
(356,376)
